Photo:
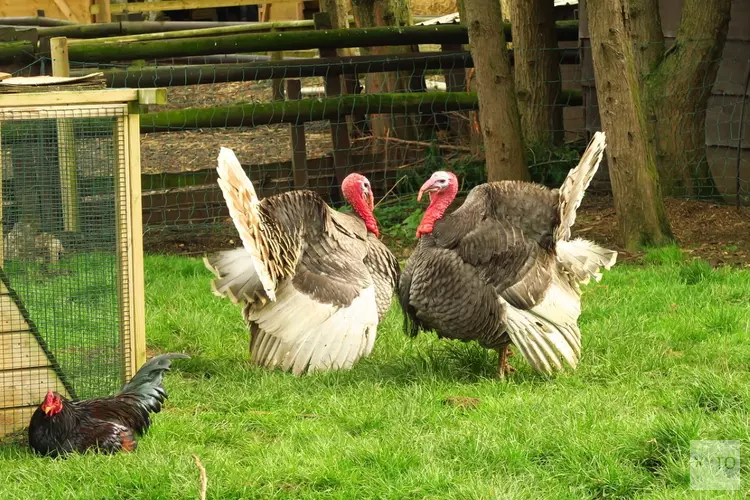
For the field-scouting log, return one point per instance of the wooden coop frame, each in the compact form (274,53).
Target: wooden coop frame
(28,369)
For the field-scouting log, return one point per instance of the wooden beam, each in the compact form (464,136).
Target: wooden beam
(2,241)
(103,96)
(152,96)
(299,149)
(59,53)
(160,6)
(104,11)
(333,88)
(66,151)
(66,10)
(135,237)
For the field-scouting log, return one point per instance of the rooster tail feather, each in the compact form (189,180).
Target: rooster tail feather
(575,184)
(146,384)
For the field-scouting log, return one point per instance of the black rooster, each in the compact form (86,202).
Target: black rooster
(108,424)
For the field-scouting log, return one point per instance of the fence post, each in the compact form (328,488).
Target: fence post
(277,84)
(339,130)
(299,150)
(455,81)
(103,11)
(66,157)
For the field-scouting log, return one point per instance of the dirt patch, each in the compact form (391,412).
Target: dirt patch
(720,234)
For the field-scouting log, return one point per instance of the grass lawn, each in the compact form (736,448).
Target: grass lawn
(666,360)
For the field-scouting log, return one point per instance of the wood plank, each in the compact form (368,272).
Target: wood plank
(103,96)
(11,319)
(135,235)
(723,164)
(66,10)
(21,350)
(333,87)
(13,420)
(160,6)
(47,112)
(59,51)
(27,387)
(122,239)
(2,246)
(730,78)
(103,11)
(152,96)
(65,142)
(299,148)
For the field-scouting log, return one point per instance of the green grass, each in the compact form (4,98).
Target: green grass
(666,360)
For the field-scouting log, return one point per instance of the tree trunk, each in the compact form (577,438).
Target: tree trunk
(635,184)
(537,71)
(677,92)
(498,110)
(376,13)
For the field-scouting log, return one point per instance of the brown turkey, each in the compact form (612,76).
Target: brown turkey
(502,268)
(313,282)
(107,425)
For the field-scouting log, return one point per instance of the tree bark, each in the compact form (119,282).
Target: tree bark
(635,182)
(498,110)
(537,71)
(677,92)
(377,13)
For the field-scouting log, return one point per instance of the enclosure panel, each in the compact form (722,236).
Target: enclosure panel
(27,387)
(11,319)
(70,10)
(62,181)
(16,418)
(21,350)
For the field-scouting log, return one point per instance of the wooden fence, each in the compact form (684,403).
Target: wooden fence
(194,197)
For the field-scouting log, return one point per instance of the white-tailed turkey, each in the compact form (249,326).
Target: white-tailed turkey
(313,282)
(502,268)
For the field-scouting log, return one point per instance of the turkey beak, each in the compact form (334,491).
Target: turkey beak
(428,187)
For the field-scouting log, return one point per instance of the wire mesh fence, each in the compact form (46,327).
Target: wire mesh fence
(63,278)
(303,122)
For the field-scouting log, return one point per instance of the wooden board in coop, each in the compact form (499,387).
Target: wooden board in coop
(26,372)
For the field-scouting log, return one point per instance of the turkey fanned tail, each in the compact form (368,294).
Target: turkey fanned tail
(242,202)
(584,259)
(575,184)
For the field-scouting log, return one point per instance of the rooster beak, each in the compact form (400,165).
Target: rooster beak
(46,409)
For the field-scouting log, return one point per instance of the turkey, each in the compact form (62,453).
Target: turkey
(502,268)
(313,283)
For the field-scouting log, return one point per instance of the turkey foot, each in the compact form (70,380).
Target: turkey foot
(503,367)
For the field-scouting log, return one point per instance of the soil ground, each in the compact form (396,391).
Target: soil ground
(719,234)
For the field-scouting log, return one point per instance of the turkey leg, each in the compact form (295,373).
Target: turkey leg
(503,367)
